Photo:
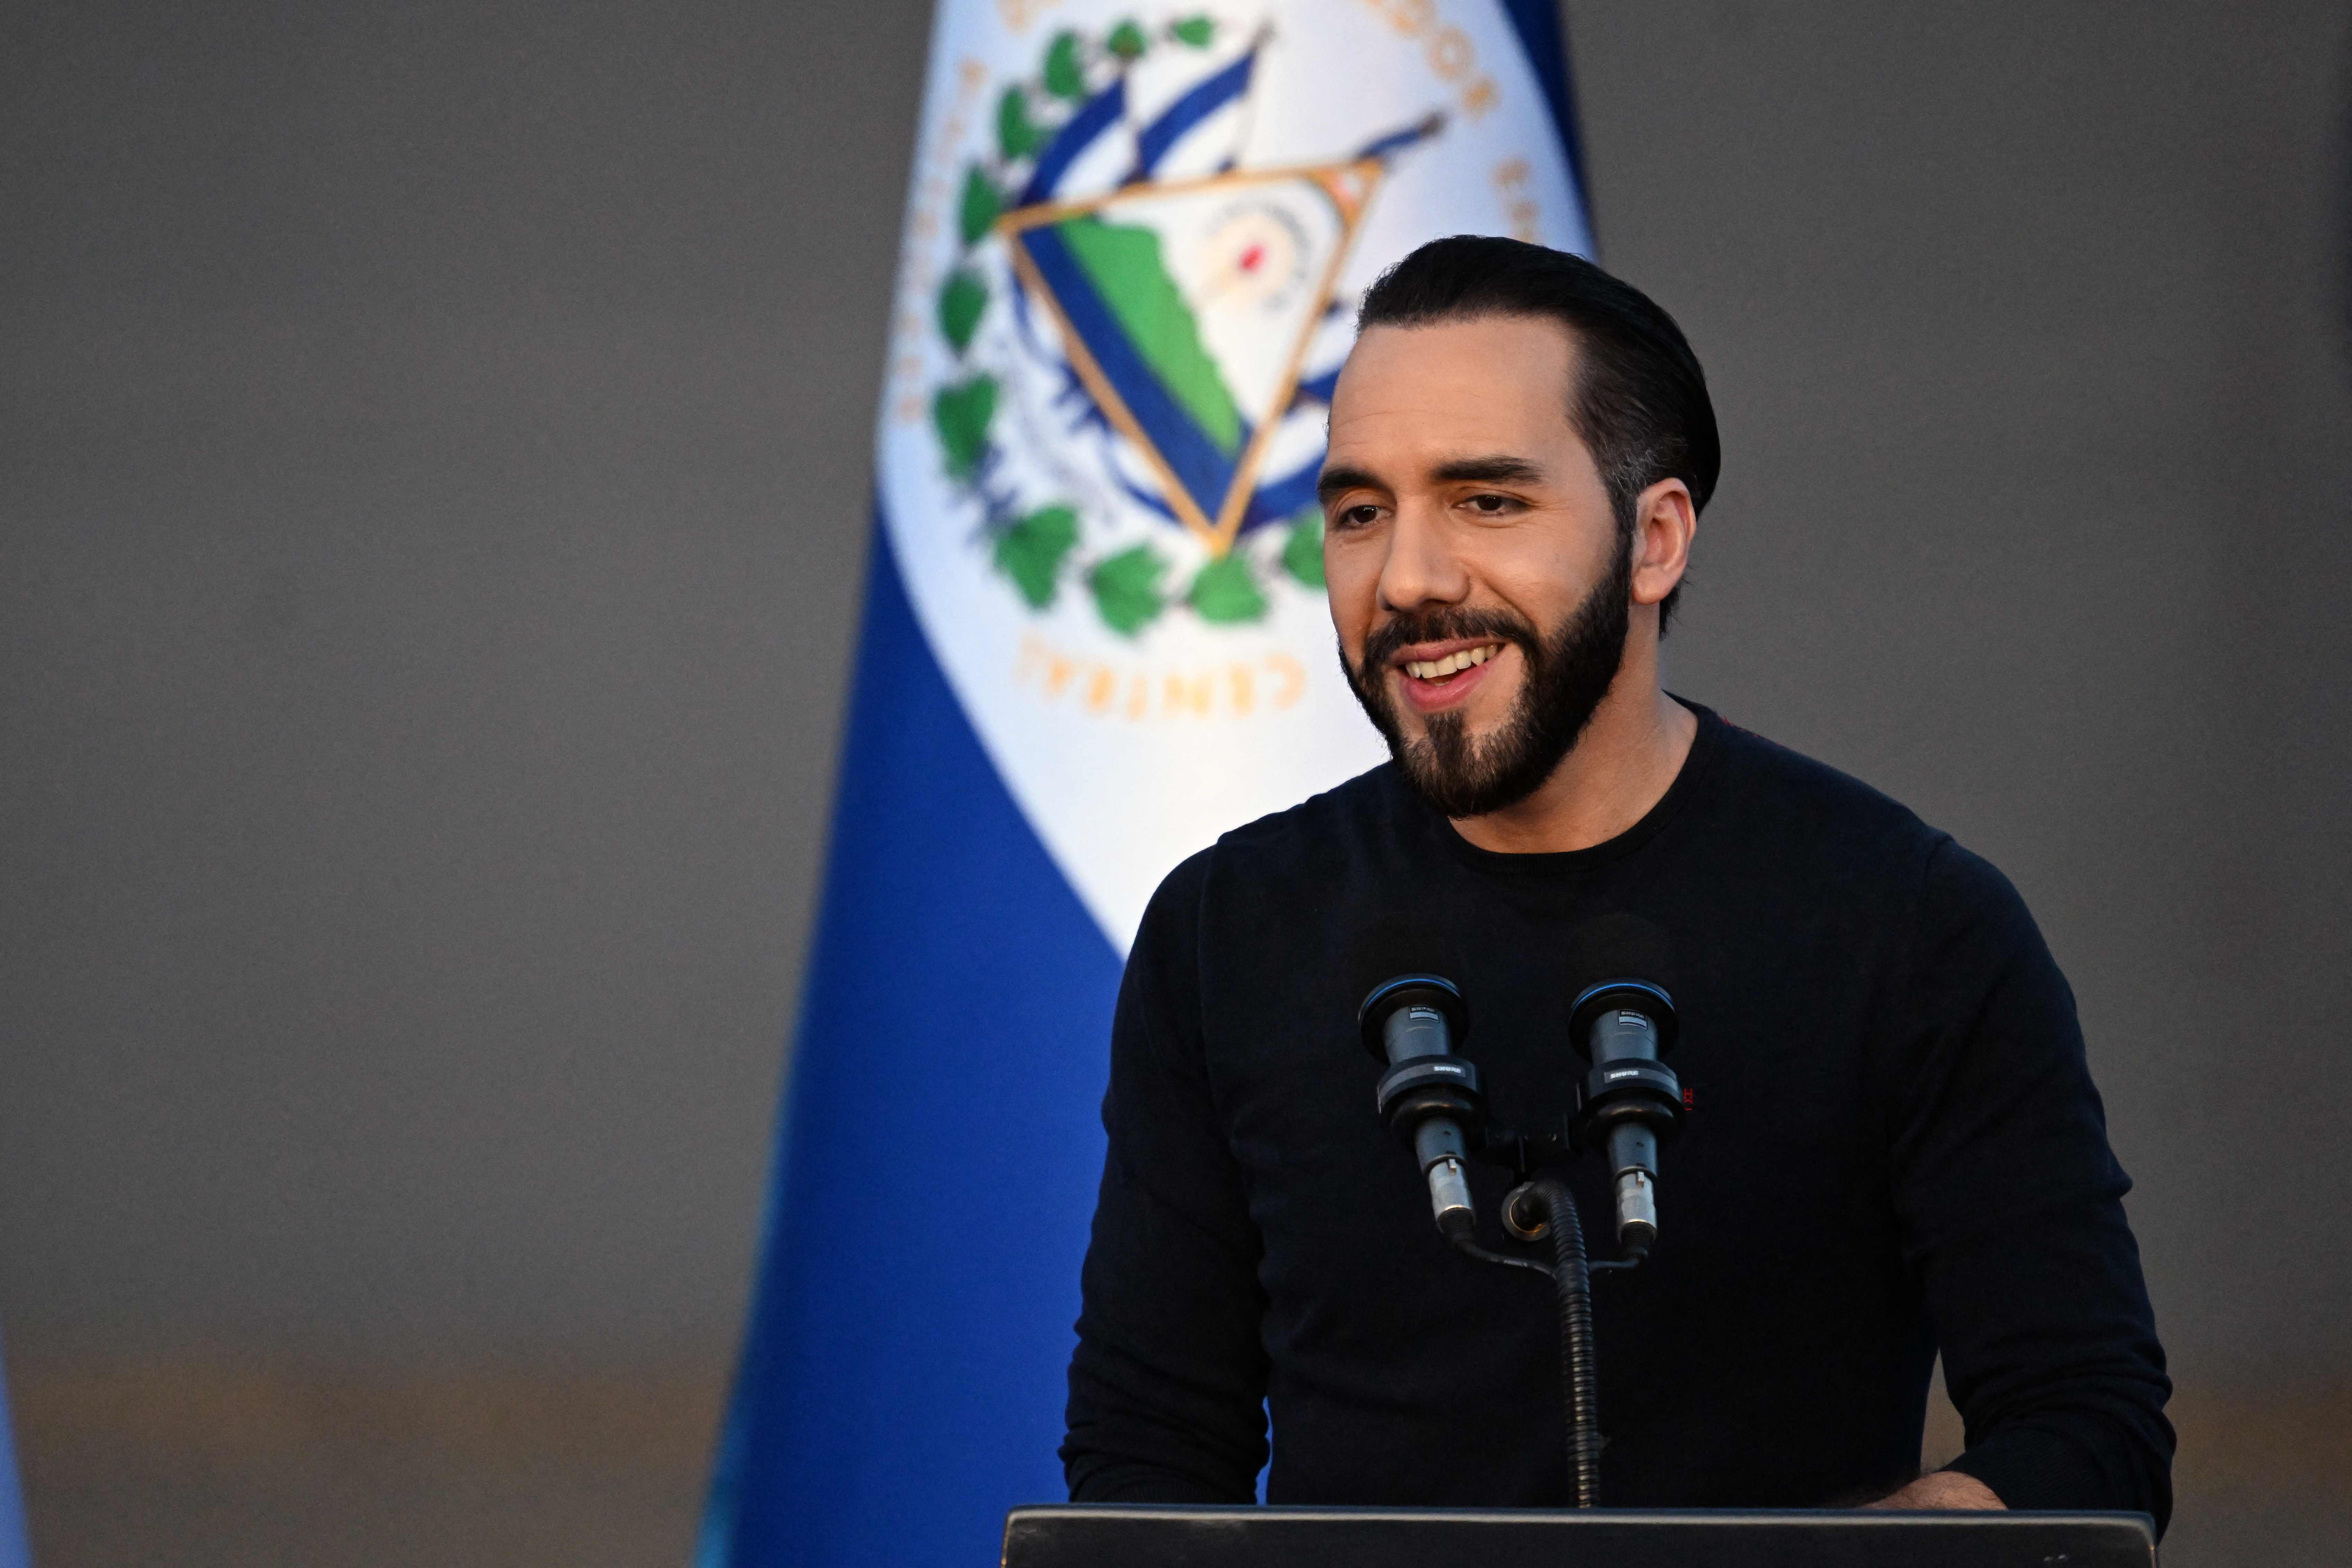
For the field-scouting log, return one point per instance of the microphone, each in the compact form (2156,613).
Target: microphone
(1624,1023)
(1412,1018)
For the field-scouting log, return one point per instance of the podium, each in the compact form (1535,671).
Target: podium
(1153,1535)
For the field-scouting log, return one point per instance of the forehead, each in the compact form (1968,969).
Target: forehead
(1490,384)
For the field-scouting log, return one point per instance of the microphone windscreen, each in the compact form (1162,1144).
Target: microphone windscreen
(1619,946)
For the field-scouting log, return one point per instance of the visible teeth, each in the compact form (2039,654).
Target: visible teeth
(1452,663)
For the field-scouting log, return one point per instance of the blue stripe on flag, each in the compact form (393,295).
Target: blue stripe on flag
(1152,143)
(1094,117)
(14,1551)
(1205,472)
(902,1377)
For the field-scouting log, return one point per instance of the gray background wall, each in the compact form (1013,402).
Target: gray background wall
(433,485)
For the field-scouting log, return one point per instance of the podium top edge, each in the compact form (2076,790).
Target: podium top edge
(1725,1518)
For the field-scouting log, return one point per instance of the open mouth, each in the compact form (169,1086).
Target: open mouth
(1438,671)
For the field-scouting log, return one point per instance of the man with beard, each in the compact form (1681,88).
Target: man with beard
(1895,1146)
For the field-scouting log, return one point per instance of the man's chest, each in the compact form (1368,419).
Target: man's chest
(1782,1155)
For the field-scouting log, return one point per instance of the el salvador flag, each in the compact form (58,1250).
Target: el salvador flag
(1094,639)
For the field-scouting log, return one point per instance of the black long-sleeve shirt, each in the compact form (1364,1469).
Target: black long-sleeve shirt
(1894,1147)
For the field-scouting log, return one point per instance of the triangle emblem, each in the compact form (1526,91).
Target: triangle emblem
(1186,309)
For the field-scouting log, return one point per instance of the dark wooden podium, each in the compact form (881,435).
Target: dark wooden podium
(1139,1535)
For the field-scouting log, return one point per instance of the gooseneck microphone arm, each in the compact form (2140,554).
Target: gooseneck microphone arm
(1554,1212)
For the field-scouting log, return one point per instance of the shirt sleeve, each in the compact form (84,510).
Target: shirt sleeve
(1168,1383)
(2011,1205)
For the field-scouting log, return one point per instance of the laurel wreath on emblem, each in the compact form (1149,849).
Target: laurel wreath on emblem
(1040,548)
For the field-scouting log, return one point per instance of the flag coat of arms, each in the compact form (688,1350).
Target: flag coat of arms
(1095,638)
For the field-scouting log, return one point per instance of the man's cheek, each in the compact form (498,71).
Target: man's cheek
(1494,701)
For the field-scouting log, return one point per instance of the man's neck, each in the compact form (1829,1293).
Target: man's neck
(1620,767)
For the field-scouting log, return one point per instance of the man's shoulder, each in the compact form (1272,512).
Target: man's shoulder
(1803,800)
(1372,827)
(1805,809)
(1322,838)
(1371,802)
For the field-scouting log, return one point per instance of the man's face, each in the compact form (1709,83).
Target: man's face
(1478,579)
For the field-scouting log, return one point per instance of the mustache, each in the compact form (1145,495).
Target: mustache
(1446,625)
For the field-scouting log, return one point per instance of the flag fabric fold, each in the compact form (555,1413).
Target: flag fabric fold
(1092,639)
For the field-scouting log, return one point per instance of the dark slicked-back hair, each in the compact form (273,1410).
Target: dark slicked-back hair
(1640,402)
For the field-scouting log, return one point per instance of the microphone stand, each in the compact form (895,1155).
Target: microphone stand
(1431,1099)
(1533,1210)
(1580,1382)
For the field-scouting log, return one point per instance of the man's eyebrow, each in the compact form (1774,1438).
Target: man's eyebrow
(1334,480)
(1500,470)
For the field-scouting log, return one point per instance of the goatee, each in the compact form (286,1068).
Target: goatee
(1568,674)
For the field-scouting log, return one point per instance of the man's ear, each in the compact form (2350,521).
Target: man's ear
(1664,523)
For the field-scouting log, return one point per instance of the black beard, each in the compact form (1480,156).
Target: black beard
(1568,675)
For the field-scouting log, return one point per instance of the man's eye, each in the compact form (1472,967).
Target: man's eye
(1362,515)
(1490,505)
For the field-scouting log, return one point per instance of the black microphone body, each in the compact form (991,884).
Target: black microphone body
(1631,1101)
(1429,1095)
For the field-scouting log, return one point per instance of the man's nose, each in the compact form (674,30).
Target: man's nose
(1423,567)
